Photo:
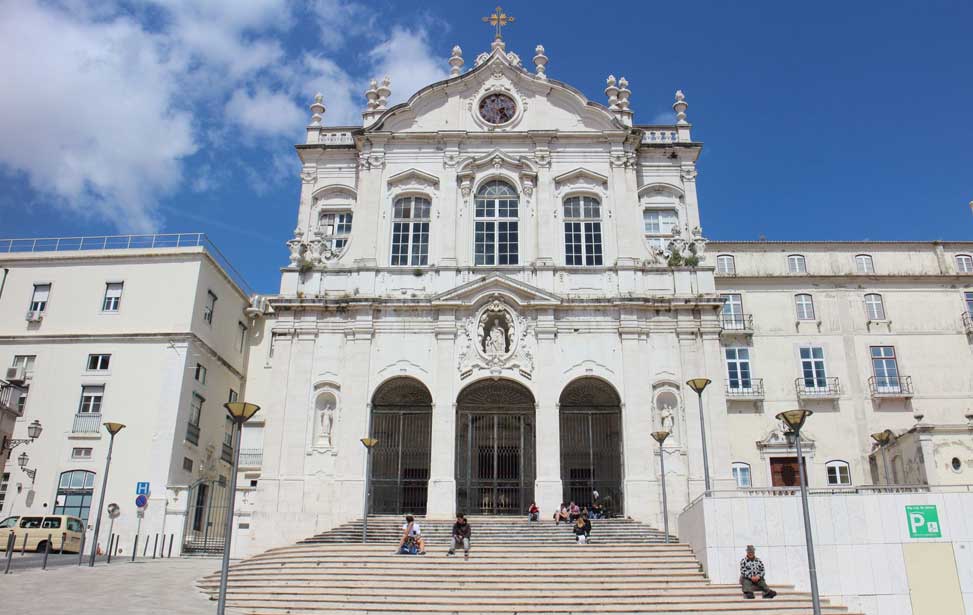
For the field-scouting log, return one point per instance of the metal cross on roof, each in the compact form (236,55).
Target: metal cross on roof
(499,19)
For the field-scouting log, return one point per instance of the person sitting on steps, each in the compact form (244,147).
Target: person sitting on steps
(561,514)
(533,513)
(461,536)
(574,511)
(412,531)
(752,575)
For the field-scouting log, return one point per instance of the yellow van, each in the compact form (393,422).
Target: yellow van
(62,528)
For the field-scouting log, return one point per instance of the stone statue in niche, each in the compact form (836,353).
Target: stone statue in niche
(495,333)
(325,420)
(667,419)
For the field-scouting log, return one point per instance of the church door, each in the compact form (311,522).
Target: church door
(495,448)
(402,423)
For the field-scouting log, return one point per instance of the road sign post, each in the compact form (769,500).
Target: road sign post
(923,521)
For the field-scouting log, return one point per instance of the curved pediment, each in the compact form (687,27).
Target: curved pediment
(542,103)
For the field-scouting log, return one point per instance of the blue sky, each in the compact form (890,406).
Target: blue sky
(850,120)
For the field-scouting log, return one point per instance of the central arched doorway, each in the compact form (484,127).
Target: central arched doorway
(495,467)
(591,443)
(402,423)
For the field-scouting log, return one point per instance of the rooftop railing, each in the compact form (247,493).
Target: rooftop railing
(835,490)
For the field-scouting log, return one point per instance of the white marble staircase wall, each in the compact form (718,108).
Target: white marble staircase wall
(858,542)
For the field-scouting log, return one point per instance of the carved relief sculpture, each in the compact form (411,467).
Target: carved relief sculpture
(495,340)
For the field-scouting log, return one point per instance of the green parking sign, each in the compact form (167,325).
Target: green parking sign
(923,521)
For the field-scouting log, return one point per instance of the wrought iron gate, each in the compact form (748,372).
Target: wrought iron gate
(495,467)
(206,516)
(591,444)
(402,423)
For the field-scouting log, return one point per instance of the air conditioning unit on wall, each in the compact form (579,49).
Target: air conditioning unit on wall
(16,375)
(33,316)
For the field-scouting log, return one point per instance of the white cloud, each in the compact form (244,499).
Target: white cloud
(265,113)
(338,21)
(406,58)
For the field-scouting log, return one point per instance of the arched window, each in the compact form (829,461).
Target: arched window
(864,264)
(496,231)
(74,494)
(741,474)
(334,229)
(410,231)
(874,306)
(804,305)
(796,264)
(725,264)
(582,231)
(964,263)
(839,474)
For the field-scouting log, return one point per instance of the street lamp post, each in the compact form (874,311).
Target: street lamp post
(33,432)
(795,420)
(369,445)
(883,438)
(113,428)
(698,384)
(239,412)
(22,461)
(660,437)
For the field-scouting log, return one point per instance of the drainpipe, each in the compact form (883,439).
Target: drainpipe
(4,281)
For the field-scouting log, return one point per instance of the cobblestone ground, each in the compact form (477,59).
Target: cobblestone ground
(139,588)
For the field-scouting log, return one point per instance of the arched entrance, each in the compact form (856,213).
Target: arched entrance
(591,443)
(495,467)
(402,422)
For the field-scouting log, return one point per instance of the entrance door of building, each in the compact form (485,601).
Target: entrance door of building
(784,472)
(495,466)
(591,444)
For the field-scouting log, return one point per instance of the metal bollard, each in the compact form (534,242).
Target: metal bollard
(47,551)
(64,539)
(136,547)
(145,549)
(111,544)
(23,548)
(154,545)
(81,548)
(11,545)
(171,538)
(162,547)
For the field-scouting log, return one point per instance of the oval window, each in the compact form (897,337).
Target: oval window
(497,108)
(957,464)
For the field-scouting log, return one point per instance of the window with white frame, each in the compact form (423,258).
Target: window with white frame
(812,367)
(741,474)
(81,453)
(200,373)
(91,399)
(738,369)
(804,306)
(796,264)
(864,264)
(968,301)
(38,300)
(98,362)
(733,311)
(885,368)
(658,225)
(209,308)
(964,263)
(113,297)
(232,397)
(839,473)
(726,264)
(496,231)
(582,231)
(874,306)
(241,336)
(410,231)
(196,409)
(27,362)
(334,229)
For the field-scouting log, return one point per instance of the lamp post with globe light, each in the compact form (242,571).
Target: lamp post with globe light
(660,437)
(369,444)
(113,429)
(698,385)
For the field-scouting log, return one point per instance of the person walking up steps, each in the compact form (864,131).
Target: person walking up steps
(461,536)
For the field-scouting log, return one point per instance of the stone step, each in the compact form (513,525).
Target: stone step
(590,590)
(763,607)
(581,562)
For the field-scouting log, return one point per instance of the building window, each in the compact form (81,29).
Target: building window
(839,474)
(738,368)
(496,233)
(582,231)
(885,369)
(741,474)
(187,464)
(874,307)
(725,264)
(98,362)
(4,483)
(200,374)
(796,264)
(968,298)
(91,398)
(210,307)
(80,453)
(733,311)
(410,231)
(195,413)
(804,305)
(812,367)
(27,362)
(241,336)
(233,396)
(964,263)
(38,301)
(113,297)
(864,264)
(658,225)
(74,494)
(955,464)
(334,229)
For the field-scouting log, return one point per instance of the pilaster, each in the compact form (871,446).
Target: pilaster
(636,420)
(441,501)
(548,489)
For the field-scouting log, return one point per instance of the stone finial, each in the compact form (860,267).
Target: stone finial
(384,91)
(540,62)
(317,110)
(680,107)
(498,44)
(612,93)
(372,95)
(456,61)
(623,94)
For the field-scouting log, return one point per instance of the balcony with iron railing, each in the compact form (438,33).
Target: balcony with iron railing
(736,323)
(967,322)
(817,388)
(750,389)
(86,422)
(251,457)
(890,386)
(10,395)
(192,434)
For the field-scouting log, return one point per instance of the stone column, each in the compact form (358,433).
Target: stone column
(636,422)
(441,502)
(548,490)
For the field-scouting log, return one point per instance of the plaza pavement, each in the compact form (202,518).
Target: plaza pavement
(144,587)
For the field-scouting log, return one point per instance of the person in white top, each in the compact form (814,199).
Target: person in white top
(411,529)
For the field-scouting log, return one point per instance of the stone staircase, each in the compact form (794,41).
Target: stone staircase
(515,567)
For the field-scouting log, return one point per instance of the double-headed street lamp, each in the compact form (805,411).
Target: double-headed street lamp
(113,428)
(883,438)
(794,419)
(369,444)
(660,437)
(239,412)
(698,384)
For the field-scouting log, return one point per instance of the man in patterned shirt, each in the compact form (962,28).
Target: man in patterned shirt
(752,575)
